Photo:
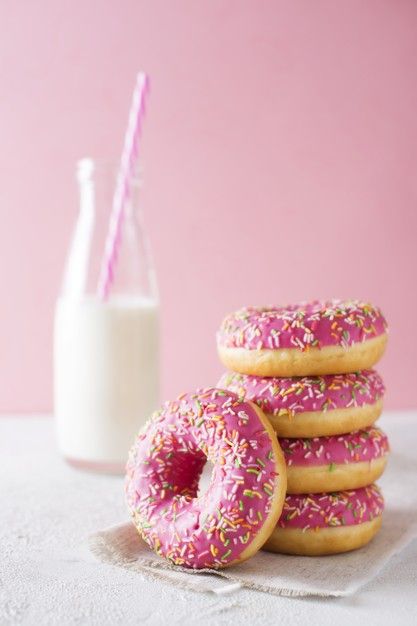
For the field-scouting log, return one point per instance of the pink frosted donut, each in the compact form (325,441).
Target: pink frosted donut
(313,406)
(335,463)
(330,337)
(230,521)
(316,524)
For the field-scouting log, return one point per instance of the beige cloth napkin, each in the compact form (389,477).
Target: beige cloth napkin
(336,575)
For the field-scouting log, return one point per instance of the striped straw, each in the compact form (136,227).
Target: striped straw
(123,185)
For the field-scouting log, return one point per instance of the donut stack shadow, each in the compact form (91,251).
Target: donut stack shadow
(310,369)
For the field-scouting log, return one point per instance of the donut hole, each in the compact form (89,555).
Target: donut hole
(205,479)
(184,472)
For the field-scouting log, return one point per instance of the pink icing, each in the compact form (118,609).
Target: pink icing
(288,396)
(324,510)
(355,447)
(313,324)
(163,471)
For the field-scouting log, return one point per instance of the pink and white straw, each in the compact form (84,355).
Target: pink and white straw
(123,185)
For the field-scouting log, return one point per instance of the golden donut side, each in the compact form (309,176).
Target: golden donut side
(342,477)
(326,423)
(312,362)
(323,540)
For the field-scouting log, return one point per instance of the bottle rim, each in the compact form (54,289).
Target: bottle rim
(88,167)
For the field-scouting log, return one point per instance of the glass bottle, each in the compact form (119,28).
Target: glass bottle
(105,352)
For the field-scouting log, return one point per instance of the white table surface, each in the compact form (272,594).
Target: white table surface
(48,576)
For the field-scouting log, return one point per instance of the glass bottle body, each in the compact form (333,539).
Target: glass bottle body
(105,352)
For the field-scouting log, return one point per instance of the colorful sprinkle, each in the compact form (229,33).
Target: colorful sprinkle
(300,326)
(355,447)
(290,396)
(321,510)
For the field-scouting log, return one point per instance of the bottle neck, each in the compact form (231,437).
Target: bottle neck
(97,182)
(132,269)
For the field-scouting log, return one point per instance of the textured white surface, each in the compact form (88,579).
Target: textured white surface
(48,576)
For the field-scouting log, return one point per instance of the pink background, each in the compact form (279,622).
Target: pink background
(280,152)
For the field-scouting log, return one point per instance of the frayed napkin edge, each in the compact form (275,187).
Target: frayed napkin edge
(153,569)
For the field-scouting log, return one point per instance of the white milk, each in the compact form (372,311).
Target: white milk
(106,377)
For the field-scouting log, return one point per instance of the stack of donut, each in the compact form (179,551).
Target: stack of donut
(289,433)
(309,368)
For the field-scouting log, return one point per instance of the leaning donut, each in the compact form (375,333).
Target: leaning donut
(230,521)
(335,463)
(313,406)
(314,338)
(318,524)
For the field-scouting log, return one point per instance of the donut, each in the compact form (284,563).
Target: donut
(232,519)
(318,524)
(335,463)
(308,339)
(313,406)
